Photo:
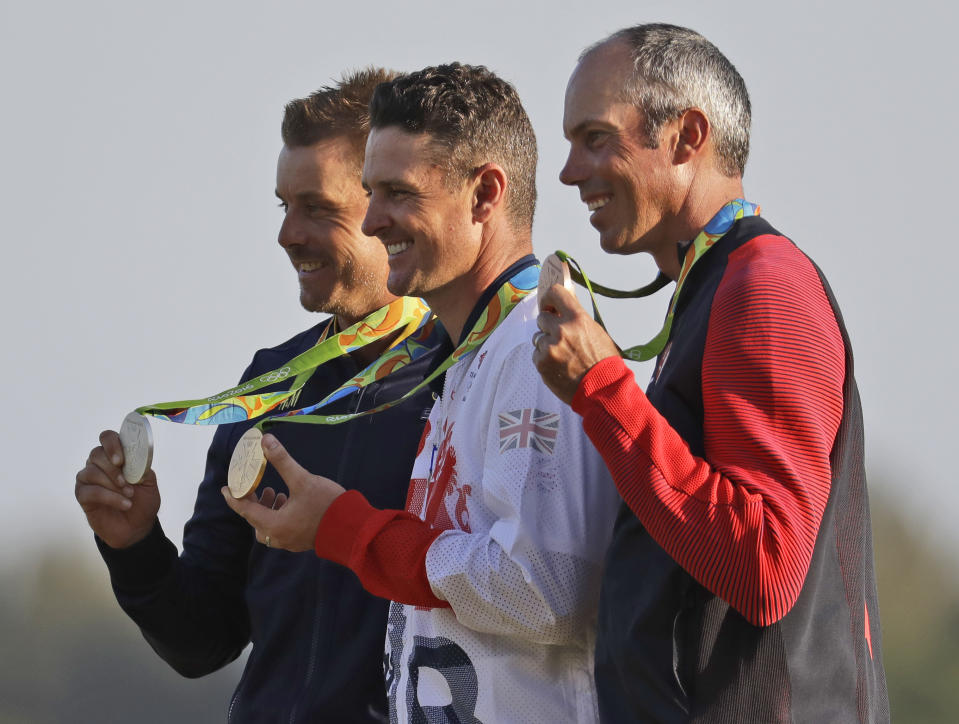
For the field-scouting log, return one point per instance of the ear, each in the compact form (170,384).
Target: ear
(694,131)
(489,191)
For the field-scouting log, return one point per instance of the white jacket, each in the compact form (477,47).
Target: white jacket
(527,508)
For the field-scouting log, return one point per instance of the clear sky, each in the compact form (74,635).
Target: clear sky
(138,219)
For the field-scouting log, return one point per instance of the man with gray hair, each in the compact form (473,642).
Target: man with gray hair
(739,585)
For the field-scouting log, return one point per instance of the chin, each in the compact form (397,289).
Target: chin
(314,302)
(310,306)
(400,286)
(612,244)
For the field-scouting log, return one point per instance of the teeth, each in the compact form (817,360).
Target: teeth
(396,248)
(597,203)
(308,266)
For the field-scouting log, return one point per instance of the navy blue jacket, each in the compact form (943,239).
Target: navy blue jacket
(317,635)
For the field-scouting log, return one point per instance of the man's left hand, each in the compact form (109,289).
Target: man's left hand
(569,342)
(287,522)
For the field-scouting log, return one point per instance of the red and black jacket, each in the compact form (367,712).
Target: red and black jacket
(739,583)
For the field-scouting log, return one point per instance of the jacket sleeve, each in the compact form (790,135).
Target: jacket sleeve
(744,520)
(535,574)
(191,607)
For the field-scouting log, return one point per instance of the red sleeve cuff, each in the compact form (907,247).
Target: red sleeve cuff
(386,549)
(341,526)
(603,374)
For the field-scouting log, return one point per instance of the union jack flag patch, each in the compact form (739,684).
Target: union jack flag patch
(528,428)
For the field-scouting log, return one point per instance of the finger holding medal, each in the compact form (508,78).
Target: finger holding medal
(269,498)
(119,513)
(569,342)
(288,522)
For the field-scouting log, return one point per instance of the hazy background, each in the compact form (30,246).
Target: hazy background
(138,148)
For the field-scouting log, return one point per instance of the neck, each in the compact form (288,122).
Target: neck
(701,204)
(454,302)
(368,353)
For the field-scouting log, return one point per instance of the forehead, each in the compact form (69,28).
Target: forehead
(392,153)
(331,157)
(595,89)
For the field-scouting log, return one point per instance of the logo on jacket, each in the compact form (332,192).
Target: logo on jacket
(445,490)
(664,355)
(530,428)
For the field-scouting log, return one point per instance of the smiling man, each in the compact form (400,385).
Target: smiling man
(739,585)
(494,566)
(317,635)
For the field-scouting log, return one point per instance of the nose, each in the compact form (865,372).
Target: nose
(375,220)
(290,232)
(573,171)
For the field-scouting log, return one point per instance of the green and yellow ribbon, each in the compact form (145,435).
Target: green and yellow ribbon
(717,227)
(518,287)
(408,315)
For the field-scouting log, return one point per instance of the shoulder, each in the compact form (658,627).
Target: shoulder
(771,296)
(508,365)
(519,326)
(510,341)
(770,264)
(269,358)
(770,277)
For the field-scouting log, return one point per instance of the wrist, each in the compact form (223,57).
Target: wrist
(600,375)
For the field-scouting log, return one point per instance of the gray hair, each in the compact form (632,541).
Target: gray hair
(675,69)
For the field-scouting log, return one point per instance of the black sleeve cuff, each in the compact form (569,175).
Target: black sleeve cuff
(143,564)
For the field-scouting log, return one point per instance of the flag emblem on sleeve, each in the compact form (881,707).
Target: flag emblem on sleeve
(528,428)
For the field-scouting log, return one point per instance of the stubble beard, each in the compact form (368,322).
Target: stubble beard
(354,297)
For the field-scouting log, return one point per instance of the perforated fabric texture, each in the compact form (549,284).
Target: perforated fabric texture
(526,507)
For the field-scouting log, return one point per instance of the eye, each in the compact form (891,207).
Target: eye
(283,205)
(594,138)
(317,210)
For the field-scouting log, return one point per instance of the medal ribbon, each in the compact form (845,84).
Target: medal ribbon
(237,403)
(704,241)
(507,296)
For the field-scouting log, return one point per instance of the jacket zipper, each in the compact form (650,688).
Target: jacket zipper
(317,616)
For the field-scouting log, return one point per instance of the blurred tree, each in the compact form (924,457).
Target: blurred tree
(919,604)
(70,655)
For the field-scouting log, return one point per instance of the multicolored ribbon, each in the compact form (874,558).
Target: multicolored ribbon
(519,286)
(408,315)
(704,241)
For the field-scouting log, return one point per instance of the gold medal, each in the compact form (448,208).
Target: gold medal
(247,464)
(137,441)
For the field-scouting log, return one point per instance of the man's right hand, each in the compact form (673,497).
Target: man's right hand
(120,513)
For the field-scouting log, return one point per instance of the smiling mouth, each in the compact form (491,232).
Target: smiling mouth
(597,204)
(308,266)
(398,247)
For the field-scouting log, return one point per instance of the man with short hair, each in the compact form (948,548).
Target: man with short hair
(494,567)
(739,584)
(317,635)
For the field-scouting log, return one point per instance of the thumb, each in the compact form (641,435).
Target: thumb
(290,470)
(561,302)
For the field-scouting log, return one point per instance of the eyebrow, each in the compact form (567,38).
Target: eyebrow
(581,126)
(316,196)
(395,181)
